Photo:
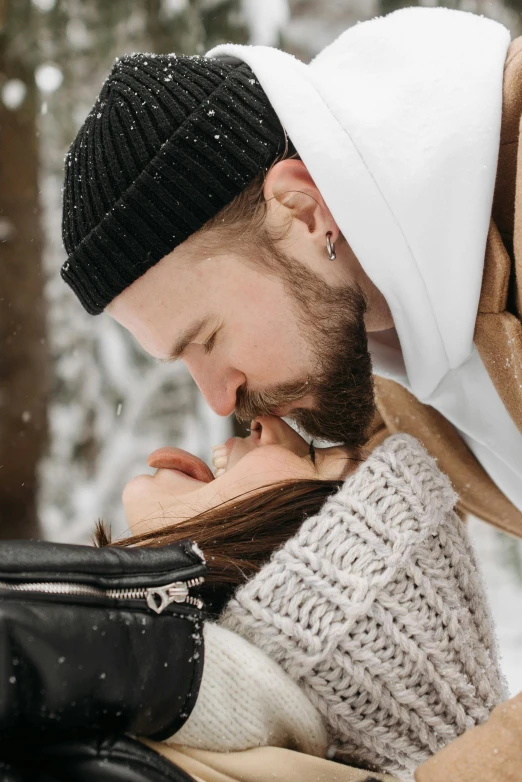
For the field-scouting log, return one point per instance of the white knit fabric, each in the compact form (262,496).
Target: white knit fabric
(246,700)
(376,608)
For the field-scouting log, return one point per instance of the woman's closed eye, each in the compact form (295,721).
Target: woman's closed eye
(312,452)
(209,344)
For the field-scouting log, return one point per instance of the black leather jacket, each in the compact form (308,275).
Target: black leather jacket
(88,759)
(96,646)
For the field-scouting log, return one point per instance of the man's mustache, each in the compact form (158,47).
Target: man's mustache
(251,404)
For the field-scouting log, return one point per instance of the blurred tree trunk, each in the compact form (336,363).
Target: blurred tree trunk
(23,354)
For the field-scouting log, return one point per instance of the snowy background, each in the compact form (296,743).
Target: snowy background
(107,404)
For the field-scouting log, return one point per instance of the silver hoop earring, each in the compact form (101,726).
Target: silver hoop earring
(330,247)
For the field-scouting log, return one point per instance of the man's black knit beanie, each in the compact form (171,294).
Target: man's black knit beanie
(170,142)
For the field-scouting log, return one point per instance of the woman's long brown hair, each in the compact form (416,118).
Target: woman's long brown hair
(239,536)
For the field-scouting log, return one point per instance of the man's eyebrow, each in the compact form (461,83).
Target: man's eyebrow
(187,336)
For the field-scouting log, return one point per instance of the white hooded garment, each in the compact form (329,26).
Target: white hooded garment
(398,123)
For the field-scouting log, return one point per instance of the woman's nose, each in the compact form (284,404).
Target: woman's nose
(271,430)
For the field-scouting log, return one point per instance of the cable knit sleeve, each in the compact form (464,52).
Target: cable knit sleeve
(377,610)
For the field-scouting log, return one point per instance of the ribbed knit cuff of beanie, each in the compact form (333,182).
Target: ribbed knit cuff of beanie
(376,608)
(169,142)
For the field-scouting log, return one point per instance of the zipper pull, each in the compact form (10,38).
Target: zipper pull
(158,598)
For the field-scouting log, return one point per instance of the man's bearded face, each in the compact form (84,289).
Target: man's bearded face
(341,382)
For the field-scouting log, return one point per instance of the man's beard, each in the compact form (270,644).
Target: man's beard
(342,384)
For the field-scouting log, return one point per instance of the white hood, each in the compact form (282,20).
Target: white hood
(398,122)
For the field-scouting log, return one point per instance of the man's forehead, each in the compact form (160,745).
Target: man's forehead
(161,285)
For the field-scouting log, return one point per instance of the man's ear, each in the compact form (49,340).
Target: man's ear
(290,183)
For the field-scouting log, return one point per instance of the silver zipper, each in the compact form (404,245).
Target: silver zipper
(157,597)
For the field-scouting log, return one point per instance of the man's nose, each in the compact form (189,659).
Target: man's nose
(219,386)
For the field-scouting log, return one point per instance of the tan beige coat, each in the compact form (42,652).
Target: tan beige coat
(262,764)
(498,332)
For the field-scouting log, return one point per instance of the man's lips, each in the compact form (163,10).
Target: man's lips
(178,459)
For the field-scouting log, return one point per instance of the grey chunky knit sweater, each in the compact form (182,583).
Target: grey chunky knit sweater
(377,610)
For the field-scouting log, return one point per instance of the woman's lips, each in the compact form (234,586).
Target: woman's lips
(178,459)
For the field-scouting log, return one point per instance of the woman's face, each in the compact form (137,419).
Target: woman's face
(183,486)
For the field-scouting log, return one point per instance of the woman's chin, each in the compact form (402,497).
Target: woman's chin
(134,490)
(177,479)
(165,483)
(151,501)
